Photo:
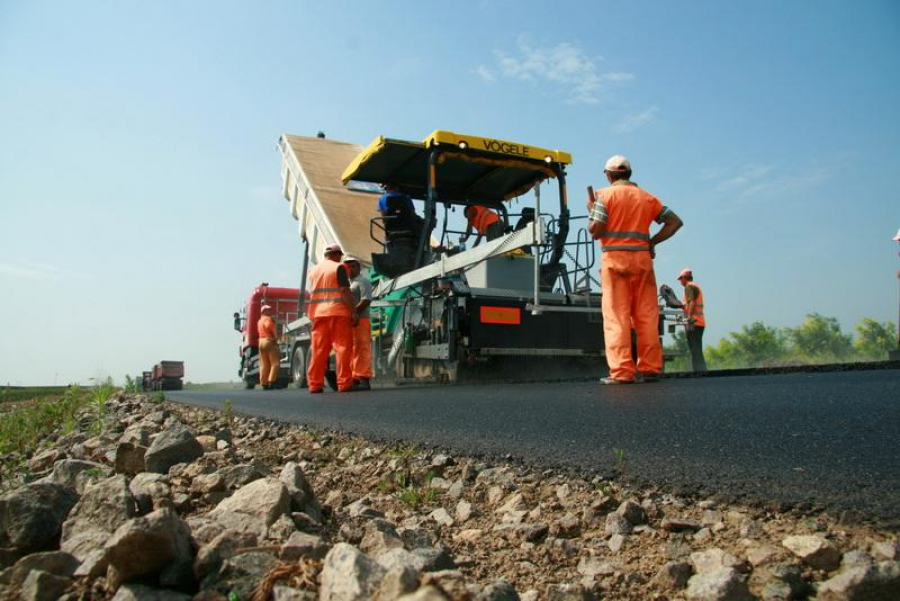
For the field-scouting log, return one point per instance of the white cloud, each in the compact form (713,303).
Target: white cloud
(757,182)
(635,120)
(565,65)
(36,271)
(485,74)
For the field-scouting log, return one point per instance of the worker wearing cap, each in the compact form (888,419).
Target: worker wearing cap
(269,353)
(620,219)
(333,314)
(361,289)
(484,221)
(696,321)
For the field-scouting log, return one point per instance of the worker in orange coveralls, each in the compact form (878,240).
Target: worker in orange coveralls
(333,314)
(620,217)
(484,221)
(269,354)
(361,289)
(696,322)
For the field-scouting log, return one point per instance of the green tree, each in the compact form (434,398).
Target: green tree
(755,345)
(874,339)
(679,348)
(820,339)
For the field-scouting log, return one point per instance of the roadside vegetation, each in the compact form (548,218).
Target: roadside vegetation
(12,394)
(31,422)
(817,340)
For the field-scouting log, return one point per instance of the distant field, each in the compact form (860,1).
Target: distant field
(10,394)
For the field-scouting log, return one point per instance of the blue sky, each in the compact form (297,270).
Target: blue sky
(139,181)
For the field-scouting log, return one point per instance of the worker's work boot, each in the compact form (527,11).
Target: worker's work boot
(612,381)
(648,377)
(315,391)
(362,384)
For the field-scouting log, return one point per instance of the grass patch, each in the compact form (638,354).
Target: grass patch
(29,427)
(11,394)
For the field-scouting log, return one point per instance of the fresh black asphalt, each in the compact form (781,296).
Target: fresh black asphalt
(812,441)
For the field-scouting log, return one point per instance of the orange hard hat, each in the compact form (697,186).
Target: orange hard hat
(685,273)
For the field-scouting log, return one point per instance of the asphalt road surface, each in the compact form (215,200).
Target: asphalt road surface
(827,441)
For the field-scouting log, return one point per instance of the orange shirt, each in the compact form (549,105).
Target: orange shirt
(266,327)
(627,212)
(481,218)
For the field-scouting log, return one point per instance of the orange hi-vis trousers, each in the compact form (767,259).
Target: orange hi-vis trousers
(362,349)
(629,298)
(269,361)
(331,333)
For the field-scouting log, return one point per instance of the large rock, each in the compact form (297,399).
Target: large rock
(380,535)
(174,445)
(224,546)
(151,491)
(723,584)
(302,497)
(147,545)
(241,574)
(349,574)
(713,559)
(863,583)
(141,592)
(129,458)
(105,506)
(254,507)
(814,551)
(32,516)
(43,586)
(236,476)
(77,474)
(53,562)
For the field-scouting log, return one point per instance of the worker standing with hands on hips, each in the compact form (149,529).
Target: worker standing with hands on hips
(269,353)
(696,322)
(361,290)
(484,221)
(620,217)
(333,314)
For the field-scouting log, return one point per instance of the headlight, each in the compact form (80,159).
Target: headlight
(548,159)
(463,144)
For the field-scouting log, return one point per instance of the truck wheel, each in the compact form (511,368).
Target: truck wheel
(250,382)
(298,367)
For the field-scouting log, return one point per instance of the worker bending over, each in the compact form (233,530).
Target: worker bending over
(269,354)
(484,221)
(333,314)
(361,290)
(620,217)
(696,322)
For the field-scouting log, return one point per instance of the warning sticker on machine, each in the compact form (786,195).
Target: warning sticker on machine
(502,315)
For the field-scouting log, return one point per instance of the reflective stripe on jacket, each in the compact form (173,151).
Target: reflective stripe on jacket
(627,212)
(482,218)
(325,298)
(694,308)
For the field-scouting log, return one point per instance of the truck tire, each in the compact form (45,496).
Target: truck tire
(250,382)
(298,367)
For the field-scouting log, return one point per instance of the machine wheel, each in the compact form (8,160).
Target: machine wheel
(250,382)
(298,367)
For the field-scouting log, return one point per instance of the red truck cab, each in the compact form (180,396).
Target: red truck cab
(284,302)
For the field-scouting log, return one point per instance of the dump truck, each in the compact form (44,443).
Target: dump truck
(284,303)
(521,306)
(165,375)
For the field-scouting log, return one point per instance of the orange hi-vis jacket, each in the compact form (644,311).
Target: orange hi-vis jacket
(627,212)
(266,327)
(482,218)
(325,298)
(694,308)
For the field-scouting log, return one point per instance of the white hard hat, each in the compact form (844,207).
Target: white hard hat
(897,237)
(266,307)
(617,163)
(350,259)
(685,273)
